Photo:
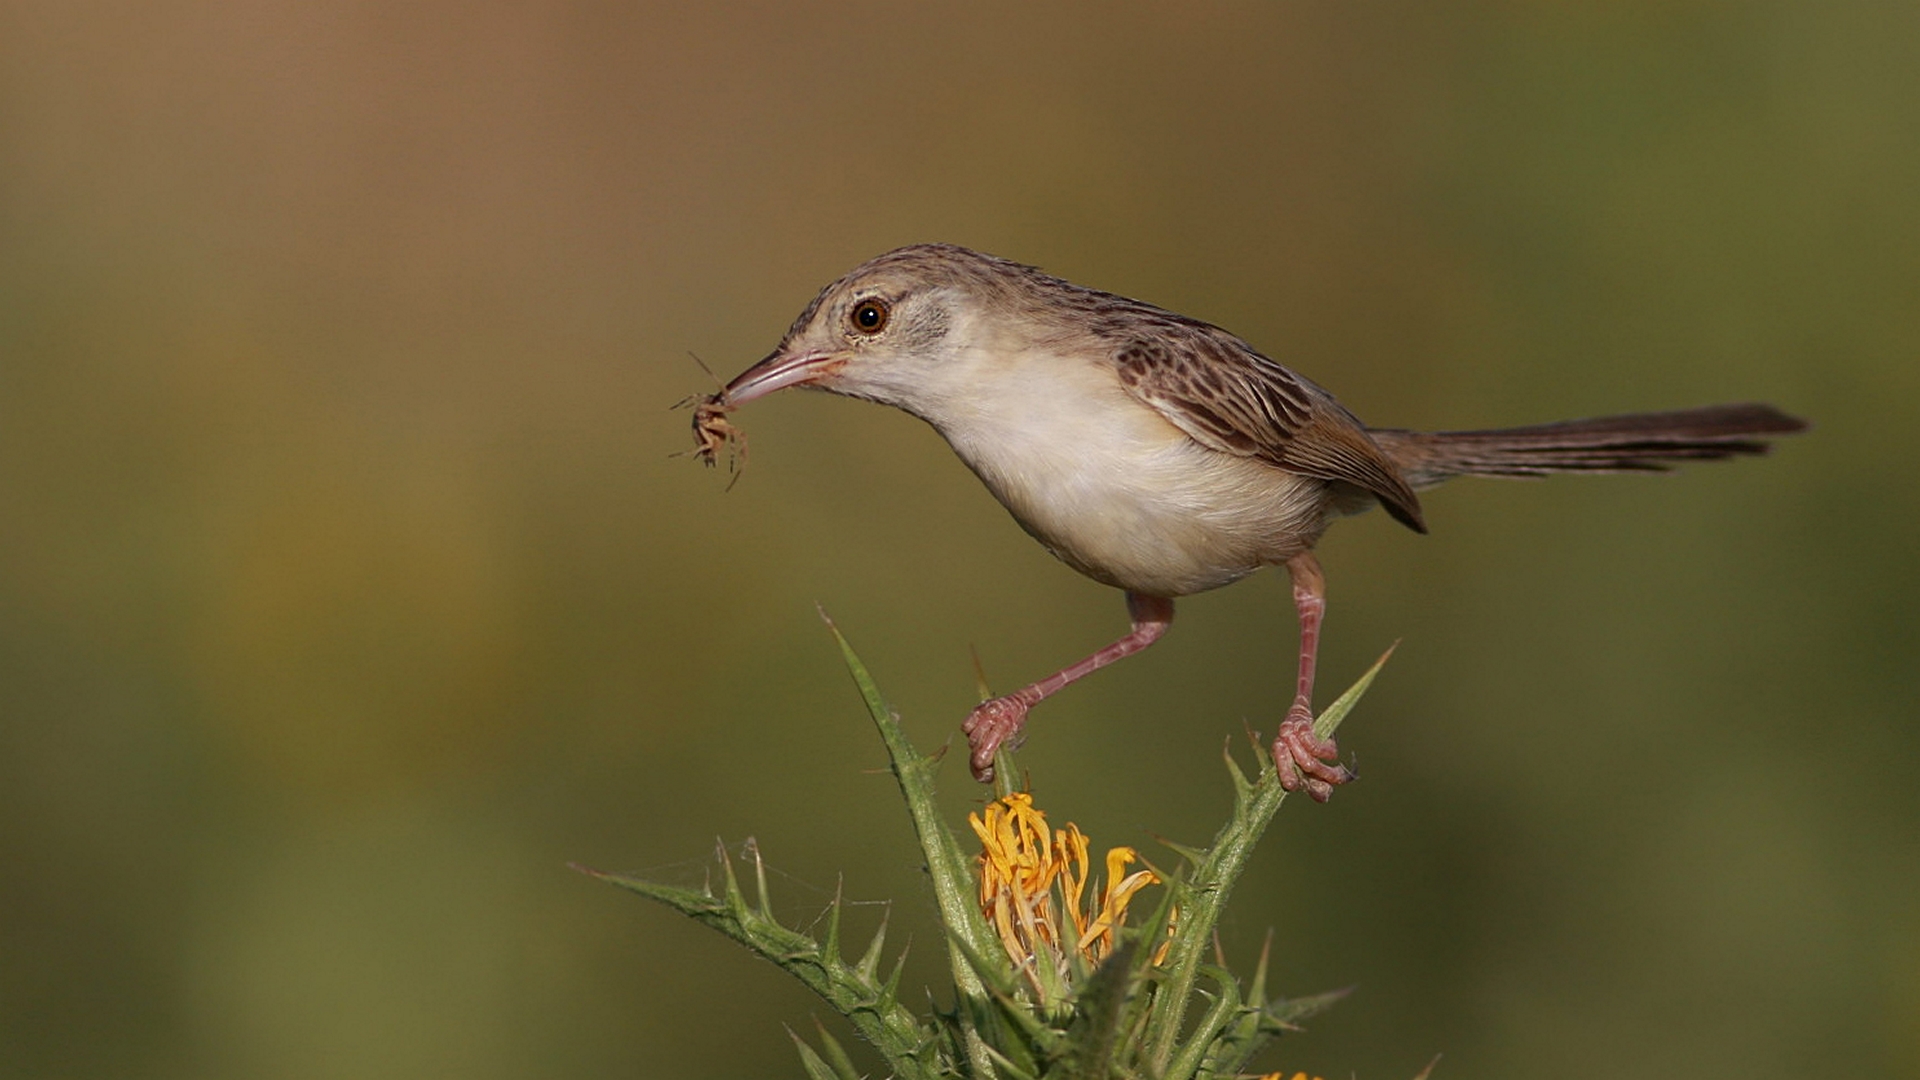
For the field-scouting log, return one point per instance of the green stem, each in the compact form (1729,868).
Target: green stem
(948,867)
(1206,891)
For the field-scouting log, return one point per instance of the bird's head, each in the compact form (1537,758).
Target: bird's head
(894,330)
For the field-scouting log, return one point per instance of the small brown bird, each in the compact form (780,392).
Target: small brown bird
(1160,454)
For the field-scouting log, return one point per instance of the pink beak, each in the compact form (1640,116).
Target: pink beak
(779,371)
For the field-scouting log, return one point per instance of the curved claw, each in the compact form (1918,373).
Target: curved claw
(1305,761)
(990,724)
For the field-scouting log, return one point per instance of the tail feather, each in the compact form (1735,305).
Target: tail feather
(1637,442)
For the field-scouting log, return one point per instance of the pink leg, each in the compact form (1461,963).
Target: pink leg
(994,722)
(1304,759)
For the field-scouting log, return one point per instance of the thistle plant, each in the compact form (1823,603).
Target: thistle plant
(1052,977)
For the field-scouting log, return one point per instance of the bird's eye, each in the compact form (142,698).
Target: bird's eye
(870,316)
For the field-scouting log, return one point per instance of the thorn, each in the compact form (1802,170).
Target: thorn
(1253,736)
(752,851)
(830,948)
(1257,991)
(979,673)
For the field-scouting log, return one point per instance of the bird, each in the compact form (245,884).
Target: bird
(1160,454)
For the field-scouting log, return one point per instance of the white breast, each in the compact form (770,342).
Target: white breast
(1110,486)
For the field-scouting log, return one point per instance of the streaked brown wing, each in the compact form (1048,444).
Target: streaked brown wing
(1229,398)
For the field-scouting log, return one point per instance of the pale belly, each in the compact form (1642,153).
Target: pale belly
(1126,498)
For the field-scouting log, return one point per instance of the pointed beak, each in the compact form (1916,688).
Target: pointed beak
(779,371)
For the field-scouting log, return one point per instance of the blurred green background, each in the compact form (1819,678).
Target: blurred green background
(348,590)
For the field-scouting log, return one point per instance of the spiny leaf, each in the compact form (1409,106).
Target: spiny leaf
(1094,1040)
(869,965)
(752,848)
(736,900)
(1201,1042)
(947,865)
(1194,856)
(830,945)
(993,973)
(1013,1071)
(1242,787)
(1289,1011)
(1248,1030)
(1329,720)
(890,991)
(835,1053)
(892,1030)
(817,1067)
(1257,990)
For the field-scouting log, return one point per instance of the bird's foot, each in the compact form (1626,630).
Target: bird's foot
(1305,760)
(990,724)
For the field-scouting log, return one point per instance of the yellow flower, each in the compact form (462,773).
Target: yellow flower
(1034,891)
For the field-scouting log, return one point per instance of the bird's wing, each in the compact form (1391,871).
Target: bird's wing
(1229,398)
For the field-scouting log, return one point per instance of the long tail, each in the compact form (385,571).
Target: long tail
(1638,442)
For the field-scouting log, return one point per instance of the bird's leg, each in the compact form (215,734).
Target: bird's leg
(1303,759)
(994,722)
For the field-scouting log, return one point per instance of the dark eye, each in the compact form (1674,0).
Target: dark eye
(870,316)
